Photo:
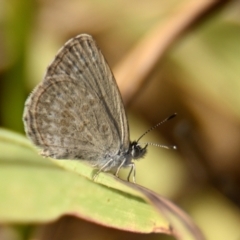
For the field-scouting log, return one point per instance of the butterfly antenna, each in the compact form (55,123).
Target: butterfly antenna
(157,125)
(162,146)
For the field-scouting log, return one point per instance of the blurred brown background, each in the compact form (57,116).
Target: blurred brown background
(168,56)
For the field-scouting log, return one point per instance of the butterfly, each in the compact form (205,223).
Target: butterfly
(77,112)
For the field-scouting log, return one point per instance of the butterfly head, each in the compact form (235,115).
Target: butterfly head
(137,151)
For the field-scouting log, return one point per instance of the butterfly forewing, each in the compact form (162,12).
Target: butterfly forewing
(77,111)
(88,65)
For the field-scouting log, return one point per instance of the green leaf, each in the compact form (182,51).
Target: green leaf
(36,189)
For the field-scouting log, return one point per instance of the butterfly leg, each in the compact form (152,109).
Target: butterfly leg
(101,169)
(133,169)
(120,166)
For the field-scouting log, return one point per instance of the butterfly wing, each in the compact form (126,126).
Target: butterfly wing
(77,112)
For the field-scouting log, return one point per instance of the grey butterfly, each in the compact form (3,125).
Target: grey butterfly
(77,112)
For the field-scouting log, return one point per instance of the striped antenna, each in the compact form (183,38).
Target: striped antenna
(157,125)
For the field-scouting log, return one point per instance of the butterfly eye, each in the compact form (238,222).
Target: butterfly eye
(137,151)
